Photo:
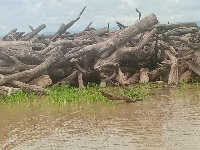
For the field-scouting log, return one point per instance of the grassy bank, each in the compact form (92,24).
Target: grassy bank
(66,94)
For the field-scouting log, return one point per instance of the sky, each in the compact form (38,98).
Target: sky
(21,14)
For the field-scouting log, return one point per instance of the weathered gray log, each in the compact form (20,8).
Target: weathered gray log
(32,29)
(8,90)
(173,75)
(185,76)
(119,97)
(33,33)
(103,83)
(38,46)
(17,45)
(100,32)
(95,36)
(88,26)
(66,44)
(68,79)
(138,13)
(18,35)
(80,79)
(63,28)
(172,26)
(21,86)
(159,73)
(29,73)
(116,56)
(111,44)
(121,78)
(42,81)
(193,67)
(144,77)
(134,78)
(56,72)
(16,67)
(181,31)
(185,41)
(120,25)
(24,55)
(9,33)
(28,88)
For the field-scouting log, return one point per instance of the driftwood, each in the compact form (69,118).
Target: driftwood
(138,13)
(33,33)
(62,29)
(119,97)
(143,52)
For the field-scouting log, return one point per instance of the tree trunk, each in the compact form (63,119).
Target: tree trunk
(29,73)
(33,33)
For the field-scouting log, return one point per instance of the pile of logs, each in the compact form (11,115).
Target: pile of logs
(143,52)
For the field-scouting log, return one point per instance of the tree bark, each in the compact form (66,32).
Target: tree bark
(29,73)
(173,75)
(33,33)
(103,49)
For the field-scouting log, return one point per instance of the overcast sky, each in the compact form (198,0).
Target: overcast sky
(22,13)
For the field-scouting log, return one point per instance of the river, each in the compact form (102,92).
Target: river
(169,120)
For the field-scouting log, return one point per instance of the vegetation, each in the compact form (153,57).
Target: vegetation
(66,94)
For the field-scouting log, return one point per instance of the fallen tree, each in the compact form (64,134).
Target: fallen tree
(143,52)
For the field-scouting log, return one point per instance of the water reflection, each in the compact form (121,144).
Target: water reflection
(163,122)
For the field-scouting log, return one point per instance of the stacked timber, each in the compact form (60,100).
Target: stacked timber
(143,52)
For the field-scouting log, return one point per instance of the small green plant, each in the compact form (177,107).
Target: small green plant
(17,97)
(139,91)
(65,94)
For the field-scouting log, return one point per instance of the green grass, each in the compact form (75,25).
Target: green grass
(17,97)
(65,94)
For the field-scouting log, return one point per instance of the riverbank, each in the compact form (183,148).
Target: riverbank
(65,94)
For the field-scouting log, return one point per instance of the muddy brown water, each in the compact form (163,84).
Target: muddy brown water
(163,122)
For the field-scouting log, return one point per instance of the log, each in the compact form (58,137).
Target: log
(177,25)
(18,35)
(68,79)
(29,73)
(6,37)
(185,41)
(63,28)
(33,33)
(88,26)
(8,90)
(182,31)
(120,25)
(17,66)
(42,81)
(144,77)
(103,49)
(80,79)
(193,67)
(134,78)
(173,75)
(103,83)
(16,45)
(28,88)
(86,34)
(66,44)
(117,55)
(185,76)
(24,55)
(119,97)
(138,13)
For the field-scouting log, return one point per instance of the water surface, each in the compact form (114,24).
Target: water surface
(169,120)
